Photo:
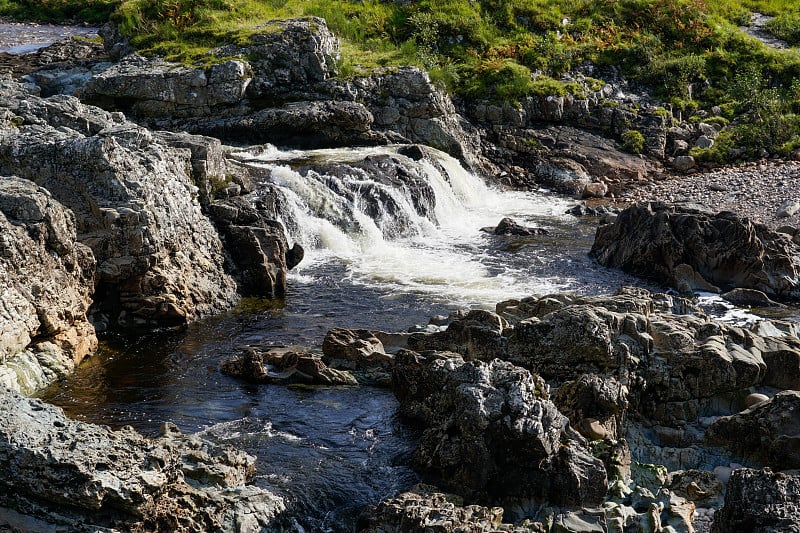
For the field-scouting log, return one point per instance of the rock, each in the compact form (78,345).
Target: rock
(62,474)
(508,226)
(594,190)
(599,404)
(683,163)
(760,501)
(749,298)
(755,399)
(701,142)
(477,335)
(700,486)
(47,279)
(423,508)
(707,130)
(277,365)
(788,209)
(688,281)
(159,259)
(728,251)
(766,433)
(491,435)
(354,349)
(680,147)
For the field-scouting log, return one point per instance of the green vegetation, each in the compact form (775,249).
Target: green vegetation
(690,53)
(633,141)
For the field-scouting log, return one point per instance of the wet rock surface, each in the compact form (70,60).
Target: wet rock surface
(61,474)
(284,366)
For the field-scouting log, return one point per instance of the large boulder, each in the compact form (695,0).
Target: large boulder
(159,259)
(46,283)
(655,241)
(492,436)
(760,501)
(56,473)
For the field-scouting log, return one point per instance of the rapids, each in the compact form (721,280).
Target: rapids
(383,252)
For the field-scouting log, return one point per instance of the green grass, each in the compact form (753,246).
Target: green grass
(691,53)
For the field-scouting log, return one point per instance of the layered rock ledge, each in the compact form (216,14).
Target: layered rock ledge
(59,474)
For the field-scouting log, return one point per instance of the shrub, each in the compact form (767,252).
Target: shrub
(633,141)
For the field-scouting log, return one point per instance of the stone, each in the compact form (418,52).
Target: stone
(354,349)
(46,282)
(767,433)
(703,142)
(491,435)
(509,226)
(680,147)
(788,209)
(71,475)
(728,251)
(683,163)
(755,399)
(160,261)
(760,501)
(749,298)
(477,335)
(599,404)
(595,190)
(422,509)
(284,366)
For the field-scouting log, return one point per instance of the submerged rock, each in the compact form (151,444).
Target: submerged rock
(728,251)
(56,473)
(509,226)
(284,366)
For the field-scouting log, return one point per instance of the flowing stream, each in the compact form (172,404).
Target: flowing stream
(390,241)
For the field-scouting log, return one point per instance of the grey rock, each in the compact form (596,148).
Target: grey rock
(749,298)
(768,433)
(47,279)
(491,435)
(726,250)
(424,508)
(354,349)
(761,502)
(477,335)
(701,142)
(81,477)
(683,163)
(788,209)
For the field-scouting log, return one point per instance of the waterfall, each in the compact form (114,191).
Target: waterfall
(412,225)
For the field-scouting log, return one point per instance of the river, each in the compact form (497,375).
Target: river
(372,261)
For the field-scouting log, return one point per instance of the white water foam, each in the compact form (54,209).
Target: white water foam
(448,258)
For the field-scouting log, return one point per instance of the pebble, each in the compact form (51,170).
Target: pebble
(754,190)
(755,399)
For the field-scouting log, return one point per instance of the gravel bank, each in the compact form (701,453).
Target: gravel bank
(756,190)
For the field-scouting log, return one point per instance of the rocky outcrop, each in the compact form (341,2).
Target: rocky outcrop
(655,241)
(423,508)
(46,281)
(761,502)
(283,366)
(61,474)
(767,433)
(159,259)
(477,335)
(492,436)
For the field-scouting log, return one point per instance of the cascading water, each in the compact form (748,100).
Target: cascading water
(416,230)
(390,240)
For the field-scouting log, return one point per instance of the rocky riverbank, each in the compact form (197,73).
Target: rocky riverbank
(554,413)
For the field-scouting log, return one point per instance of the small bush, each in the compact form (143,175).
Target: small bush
(633,141)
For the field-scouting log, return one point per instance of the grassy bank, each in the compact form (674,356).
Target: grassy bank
(690,53)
